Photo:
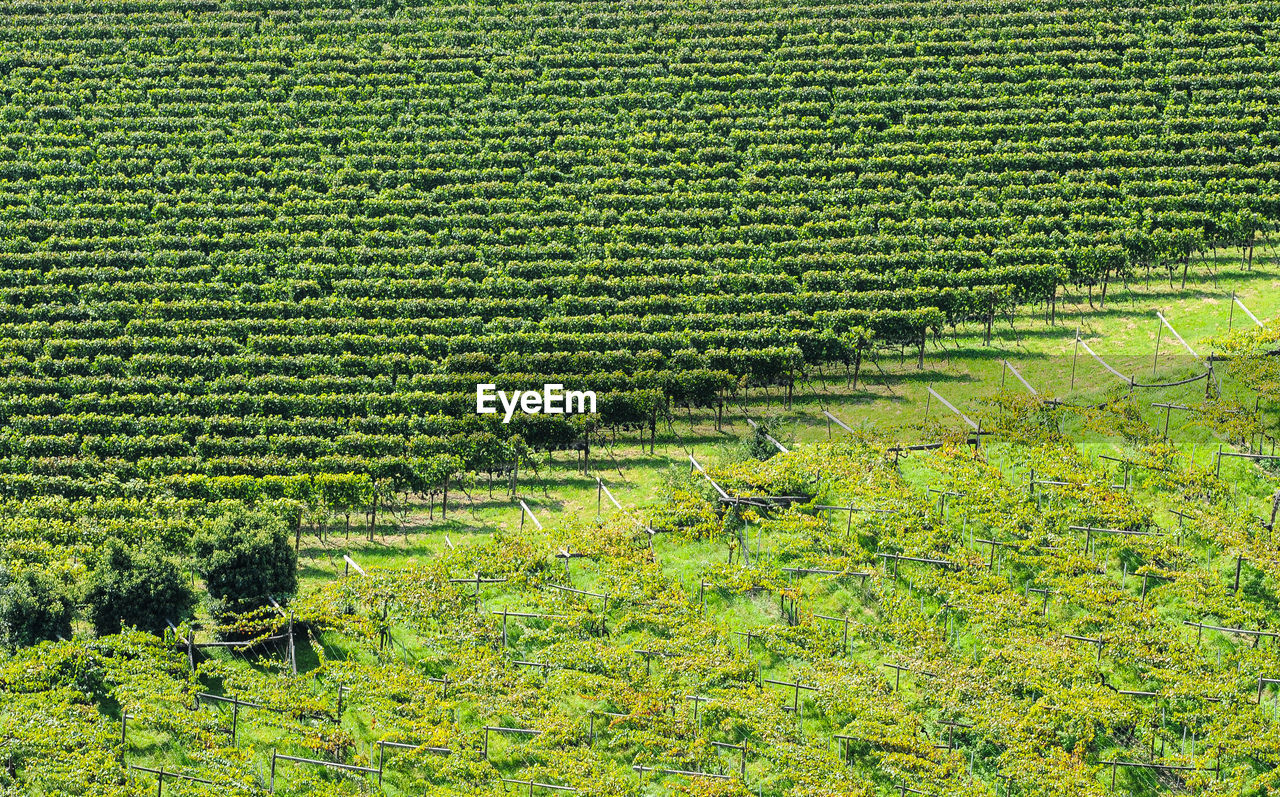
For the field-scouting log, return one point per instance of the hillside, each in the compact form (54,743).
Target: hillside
(935,347)
(267,239)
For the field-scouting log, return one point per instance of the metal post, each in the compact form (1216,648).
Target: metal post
(1159,332)
(1074,358)
(383,636)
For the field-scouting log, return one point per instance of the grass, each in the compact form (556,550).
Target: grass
(965,371)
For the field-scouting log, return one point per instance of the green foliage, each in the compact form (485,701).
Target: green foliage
(1255,358)
(246,557)
(136,588)
(35,606)
(257,256)
(757,445)
(235,314)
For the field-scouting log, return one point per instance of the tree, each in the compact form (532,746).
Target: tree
(433,476)
(344,493)
(245,558)
(136,587)
(858,340)
(34,606)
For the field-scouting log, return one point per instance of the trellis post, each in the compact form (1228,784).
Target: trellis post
(1156,359)
(341,691)
(1074,359)
(293,650)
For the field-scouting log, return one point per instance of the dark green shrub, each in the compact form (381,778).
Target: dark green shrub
(136,587)
(246,557)
(34,606)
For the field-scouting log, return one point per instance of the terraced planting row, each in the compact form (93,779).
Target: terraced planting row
(348,216)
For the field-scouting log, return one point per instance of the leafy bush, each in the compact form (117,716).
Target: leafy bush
(758,446)
(245,558)
(138,587)
(34,606)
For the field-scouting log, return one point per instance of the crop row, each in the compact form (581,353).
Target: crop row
(325,213)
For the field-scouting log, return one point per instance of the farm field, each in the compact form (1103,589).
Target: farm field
(263,240)
(1006,682)
(986,639)
(937,349)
